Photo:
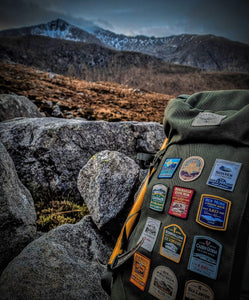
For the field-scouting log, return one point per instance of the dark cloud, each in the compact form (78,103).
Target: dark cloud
(152,17)
(22,13)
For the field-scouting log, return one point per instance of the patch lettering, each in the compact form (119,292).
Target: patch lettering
(224,174)
(213,212)
(191,168)
(163,283)
(205,256)
(158,197)
(173,242)
(140,271)
(150,233)
(180,202)
(196,290)
(169,167)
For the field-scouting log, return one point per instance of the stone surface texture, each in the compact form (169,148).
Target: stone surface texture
(17,212)
(106,184)
(65,263)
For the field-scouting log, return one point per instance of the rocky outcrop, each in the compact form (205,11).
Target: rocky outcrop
(62,264)
(17,212)
(106,183)
(49,152)
(13,106)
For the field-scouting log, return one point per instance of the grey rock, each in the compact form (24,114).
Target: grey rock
(106,183)
(57,111)
(49,152)
(62,264)
(17,212)
(14,106)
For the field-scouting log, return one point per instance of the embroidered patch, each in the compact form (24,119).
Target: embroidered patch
(140,270)
(158,197)
(213,212)
(150,232)
(173,242)
(207,119)
(163,283)
(224,174)
(205,256)
(197,290)
(169,167)
(191,168)
(180,202)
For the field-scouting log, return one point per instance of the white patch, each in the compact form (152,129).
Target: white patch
(207,119)
(150,232)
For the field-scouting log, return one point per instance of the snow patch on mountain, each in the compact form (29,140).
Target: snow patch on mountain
(202,51)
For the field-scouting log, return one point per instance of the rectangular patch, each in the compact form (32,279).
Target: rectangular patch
(207,119)
(150,233)
(205,256)
(169,167)
(173,242)
(180,202)
(140,271)
(224,174)
(158,197)
(213,212)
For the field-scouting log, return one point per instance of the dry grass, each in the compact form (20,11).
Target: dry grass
(79,98)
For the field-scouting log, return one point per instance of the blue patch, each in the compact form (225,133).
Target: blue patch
(224,174)
(205,256)
(213,212)
(169,167)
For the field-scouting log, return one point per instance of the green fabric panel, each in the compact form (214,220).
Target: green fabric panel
(234,129)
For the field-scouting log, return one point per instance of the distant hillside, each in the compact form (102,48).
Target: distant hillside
(207,52)
(86,61)
(79,98)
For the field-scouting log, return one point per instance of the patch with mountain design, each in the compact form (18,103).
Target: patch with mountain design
(205,256)
(224,174)
(180,202)
(213,212)
(191,168)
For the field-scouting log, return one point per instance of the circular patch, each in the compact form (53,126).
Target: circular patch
(191,168)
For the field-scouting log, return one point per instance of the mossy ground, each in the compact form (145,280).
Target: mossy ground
(55,213)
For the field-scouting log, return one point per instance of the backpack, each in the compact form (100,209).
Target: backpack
(186,236)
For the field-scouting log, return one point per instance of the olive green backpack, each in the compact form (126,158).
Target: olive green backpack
(186,236)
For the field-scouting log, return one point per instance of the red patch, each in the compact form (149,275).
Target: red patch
(180,202)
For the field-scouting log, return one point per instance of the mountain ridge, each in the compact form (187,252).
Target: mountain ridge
(207,52)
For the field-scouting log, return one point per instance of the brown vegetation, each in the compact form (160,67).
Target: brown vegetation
(93,62)
(79,98)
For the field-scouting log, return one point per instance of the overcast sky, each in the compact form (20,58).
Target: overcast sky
(228,18)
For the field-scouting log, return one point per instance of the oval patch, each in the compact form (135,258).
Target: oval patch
(191,168)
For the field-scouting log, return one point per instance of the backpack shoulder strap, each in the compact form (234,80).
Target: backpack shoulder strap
(106,280)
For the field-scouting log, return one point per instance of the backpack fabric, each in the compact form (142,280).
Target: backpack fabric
(190,237)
